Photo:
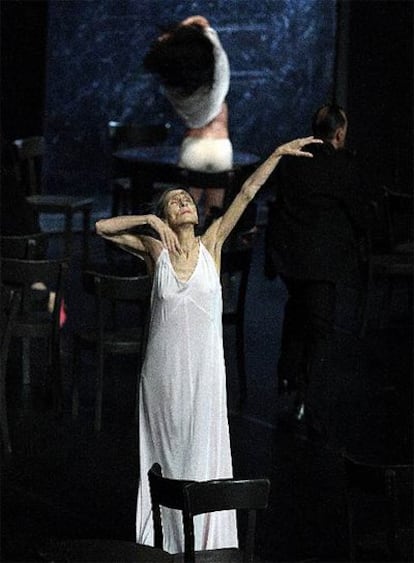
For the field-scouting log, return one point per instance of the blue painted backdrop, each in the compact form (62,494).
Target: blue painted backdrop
(281,54)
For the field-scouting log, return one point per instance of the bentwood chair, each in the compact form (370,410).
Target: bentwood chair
(10,302)
(37,319)
(235,267)
(31,247)
(123,136)
(28,156)
(111,334)
(100,551)
(391,256)
(201,497)
(389,488)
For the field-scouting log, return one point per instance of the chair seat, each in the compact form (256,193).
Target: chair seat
(91,550)
(122,341)
(404,247)
(227,555)
(60,203)
(36,323)
(393,265)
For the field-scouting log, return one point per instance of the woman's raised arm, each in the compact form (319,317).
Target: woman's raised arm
(120,231)
(221,229)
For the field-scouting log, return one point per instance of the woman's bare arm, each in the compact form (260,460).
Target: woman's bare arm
(118,230)
(220,229)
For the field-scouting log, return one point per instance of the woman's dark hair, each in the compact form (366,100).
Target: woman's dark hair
(326,121)
(183,60)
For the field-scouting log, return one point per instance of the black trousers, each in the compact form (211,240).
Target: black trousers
(305,362)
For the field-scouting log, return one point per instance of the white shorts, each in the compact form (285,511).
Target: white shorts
(206,155)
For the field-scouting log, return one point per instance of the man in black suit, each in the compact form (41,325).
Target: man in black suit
(312,241)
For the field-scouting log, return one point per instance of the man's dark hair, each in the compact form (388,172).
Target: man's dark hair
(326,121)
(183,60)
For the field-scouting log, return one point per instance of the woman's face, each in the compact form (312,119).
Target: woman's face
(180,208)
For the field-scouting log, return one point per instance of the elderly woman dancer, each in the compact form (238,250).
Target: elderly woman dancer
(183,410)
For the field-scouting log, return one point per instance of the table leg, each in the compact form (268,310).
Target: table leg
(86,227)
(68,232)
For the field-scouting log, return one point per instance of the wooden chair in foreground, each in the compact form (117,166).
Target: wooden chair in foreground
(200,497)
(29,153)
(100,551)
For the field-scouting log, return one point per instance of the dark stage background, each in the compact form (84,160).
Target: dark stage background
(70,66)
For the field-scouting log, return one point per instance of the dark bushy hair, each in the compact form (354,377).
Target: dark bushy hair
(326,121)
(184,60)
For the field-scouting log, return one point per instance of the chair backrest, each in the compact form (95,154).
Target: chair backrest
(24,273)
(125,135)
(111,291)
(199,497)
(28,160)
(235,268)
(10,302)
(398,209)
(31,247)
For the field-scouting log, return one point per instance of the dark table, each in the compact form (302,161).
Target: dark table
(68,206)
(147,166)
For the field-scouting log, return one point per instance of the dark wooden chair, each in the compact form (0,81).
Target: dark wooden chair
(100,551)
(109,336)
(200,497)
(31,247)
(123,136)
(390,253)
(37,319)
(389,488)
(29,154)
(10,303)
(398,209)
(235,267)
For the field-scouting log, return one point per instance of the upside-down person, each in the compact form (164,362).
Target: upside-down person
(195,72)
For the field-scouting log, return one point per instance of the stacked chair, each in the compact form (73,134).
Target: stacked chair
(28,155)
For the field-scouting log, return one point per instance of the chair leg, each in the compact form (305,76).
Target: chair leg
(86,227)
(115,201)
(99,391)
(75,377)
(68,233)
(3,413)
(241,363)
(26,360)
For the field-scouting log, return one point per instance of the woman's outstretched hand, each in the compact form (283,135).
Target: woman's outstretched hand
(168,238)
(294,148)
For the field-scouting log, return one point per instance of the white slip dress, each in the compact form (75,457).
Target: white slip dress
(183,422)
